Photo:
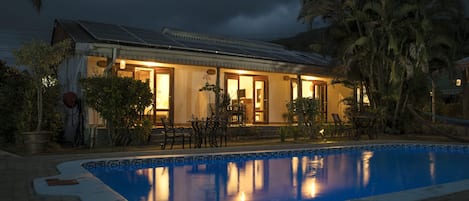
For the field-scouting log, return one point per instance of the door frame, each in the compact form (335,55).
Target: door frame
(255,78)
(130,69)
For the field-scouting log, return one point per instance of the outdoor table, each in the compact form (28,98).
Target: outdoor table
(364,124)
(205,130)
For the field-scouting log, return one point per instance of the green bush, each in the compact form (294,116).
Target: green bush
(142,132)
(306,112)
(14,88)
(120,101)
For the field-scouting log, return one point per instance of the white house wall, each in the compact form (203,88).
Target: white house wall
(190,102)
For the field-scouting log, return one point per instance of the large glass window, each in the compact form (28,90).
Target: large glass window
(248,95)
(312,89)
(160,82)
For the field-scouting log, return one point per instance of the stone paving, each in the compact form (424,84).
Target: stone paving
(18,172)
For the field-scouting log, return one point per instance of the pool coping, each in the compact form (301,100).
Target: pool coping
(91,188)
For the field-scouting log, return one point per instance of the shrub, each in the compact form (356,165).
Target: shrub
(14,87)
(120,101)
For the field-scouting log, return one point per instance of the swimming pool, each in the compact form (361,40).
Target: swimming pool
(334,173)
(308,172)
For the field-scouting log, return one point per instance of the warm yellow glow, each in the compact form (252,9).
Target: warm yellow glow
(304,165)
(162,91)
(310,188)
(242,196)
(294,166)
(246,178)
(458,82)
(241,72)
(245,82)
(158,178)
(146,75)
(310,78)
(431,158)
(295,90)
(122,64)
(366,156)
(150,63)
(307,89)
(259,174)
(232,183)
(233,88)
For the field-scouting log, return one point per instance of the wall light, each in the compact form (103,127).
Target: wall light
(458,82)
(150,63)
(122,64)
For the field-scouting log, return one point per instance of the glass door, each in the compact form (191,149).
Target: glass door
(249,100)
(261,99)
(316,89)
(146,75)
(163,94)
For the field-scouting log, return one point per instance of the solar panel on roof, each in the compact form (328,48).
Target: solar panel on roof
(218,45)
(109,32)
(211,47)
(151,37)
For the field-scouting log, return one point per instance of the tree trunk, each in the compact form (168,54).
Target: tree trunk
(433,100)
(398,103)
(39,107)
(465,99)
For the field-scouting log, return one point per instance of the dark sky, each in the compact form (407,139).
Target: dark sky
(251,19)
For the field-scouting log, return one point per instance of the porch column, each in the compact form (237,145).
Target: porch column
(217,94)
(300,86)
(300,95)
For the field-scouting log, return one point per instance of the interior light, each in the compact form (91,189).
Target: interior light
(122,64)
(241,72)
(151,63)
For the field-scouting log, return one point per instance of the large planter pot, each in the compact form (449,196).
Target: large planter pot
(36,141)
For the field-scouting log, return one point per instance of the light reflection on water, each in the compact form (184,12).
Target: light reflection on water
(329,177)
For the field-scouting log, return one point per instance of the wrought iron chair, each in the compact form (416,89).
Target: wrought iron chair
(171,133)
(340,129)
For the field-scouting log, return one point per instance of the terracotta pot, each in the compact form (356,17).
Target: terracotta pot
(36,141)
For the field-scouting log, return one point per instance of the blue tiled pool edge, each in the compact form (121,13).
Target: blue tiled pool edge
(91,188)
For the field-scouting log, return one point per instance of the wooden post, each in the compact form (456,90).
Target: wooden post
(300,95)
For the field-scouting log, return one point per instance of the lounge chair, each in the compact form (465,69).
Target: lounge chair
(171,133)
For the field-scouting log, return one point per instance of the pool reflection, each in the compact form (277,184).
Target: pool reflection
(331,177)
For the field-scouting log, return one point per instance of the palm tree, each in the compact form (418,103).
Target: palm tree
(388,42)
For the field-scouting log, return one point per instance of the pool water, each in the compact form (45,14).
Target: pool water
(313,175)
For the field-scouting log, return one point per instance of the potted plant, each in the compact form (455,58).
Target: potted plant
(42,60)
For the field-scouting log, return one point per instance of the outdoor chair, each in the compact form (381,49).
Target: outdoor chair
(171,132)
(223,131)
(340,129)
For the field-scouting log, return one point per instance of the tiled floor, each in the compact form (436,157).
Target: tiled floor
(17,173)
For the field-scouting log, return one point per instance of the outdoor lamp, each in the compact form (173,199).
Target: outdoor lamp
(122,64)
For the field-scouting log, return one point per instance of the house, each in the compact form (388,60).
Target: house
(176,64)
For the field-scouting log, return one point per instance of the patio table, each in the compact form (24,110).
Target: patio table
(205,130)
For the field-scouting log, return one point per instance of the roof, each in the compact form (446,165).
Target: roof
(94,32)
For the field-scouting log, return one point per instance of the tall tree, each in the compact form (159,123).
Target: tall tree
(387,43)
(42,59)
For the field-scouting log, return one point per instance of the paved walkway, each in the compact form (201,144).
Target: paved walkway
(17,172)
